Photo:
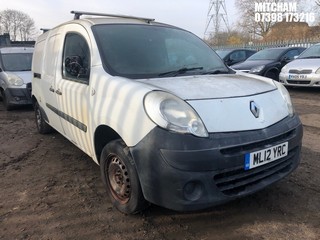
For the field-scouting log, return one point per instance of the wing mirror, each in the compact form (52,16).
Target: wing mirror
(286,59)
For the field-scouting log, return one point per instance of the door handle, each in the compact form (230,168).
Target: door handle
(58,92)
(51,89)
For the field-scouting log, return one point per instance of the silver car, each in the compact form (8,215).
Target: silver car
(303,71)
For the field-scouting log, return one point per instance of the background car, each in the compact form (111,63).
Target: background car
(304,71)
(15,76)
(268,62)
(233,56)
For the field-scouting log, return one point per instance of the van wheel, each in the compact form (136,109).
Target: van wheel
(42,126)
(6,105)
(120,178)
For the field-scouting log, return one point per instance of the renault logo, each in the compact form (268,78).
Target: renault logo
(254,108)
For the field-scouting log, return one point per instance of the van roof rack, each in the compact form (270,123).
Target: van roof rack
(44,30)
(77,15)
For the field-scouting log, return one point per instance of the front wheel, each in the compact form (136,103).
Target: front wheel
(120,178)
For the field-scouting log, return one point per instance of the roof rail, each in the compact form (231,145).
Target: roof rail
(77,15)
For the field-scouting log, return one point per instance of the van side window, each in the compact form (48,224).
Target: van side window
(76,58)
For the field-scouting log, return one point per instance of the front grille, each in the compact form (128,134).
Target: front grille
(299,82)
(238,181)
(304,71)
(262,144)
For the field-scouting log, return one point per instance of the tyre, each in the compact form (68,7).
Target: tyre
(6,105)
(42,125)
(120,178)
(273,75)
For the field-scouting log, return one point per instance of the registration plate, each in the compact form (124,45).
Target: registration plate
(297,77)
(259,158)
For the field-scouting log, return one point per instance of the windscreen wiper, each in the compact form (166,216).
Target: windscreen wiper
(215,72)
(179,71)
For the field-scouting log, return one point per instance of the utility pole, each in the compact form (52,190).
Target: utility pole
(217,11)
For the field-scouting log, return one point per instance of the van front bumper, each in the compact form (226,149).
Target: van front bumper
(184,173)
(19,96)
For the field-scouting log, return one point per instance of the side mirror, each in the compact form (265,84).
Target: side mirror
(286,59)
(228,61)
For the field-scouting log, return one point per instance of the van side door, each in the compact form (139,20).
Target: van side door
(72,86)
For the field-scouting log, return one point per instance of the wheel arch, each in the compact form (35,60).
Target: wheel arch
(274,70)
(33,99)
(102,136)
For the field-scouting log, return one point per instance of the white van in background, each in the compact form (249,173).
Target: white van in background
(15,76)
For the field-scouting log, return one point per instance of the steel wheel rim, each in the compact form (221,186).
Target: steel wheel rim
(118,179)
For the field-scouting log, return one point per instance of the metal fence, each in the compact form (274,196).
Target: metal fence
(282,43)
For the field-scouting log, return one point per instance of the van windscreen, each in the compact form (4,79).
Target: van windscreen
(147,51)
(17,61)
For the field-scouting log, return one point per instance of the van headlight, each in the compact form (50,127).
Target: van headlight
(174,114)
(14,80)
(286,96)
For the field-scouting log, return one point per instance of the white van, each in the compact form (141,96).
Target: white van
(167,121)
(15,76)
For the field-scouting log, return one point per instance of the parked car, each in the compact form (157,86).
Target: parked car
(15,76)
(161,114)
(268,62)
(233,56)
(304,71)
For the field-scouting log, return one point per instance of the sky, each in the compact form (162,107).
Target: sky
(188,14)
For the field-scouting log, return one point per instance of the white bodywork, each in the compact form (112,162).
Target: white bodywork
(220,100)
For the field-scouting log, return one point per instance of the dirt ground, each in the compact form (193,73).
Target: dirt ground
(51,190)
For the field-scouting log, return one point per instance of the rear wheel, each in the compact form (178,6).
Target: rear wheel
(120,177)
(42,126)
